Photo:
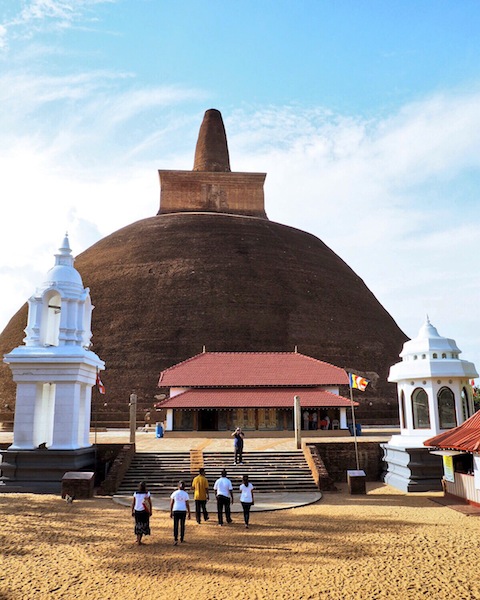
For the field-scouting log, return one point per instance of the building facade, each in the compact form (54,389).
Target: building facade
(218,391)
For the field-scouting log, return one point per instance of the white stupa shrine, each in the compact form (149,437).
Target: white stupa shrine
(434,395)
(54,371)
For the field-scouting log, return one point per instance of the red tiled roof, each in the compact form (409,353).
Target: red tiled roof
(254,398)
(465,437)
(249,369)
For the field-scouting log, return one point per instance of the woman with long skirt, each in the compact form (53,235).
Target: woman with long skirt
(141,510)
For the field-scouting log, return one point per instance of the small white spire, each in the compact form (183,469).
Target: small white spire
(64,256)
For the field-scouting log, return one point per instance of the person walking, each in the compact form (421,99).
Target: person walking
(179,511)
(224,493)
(141,510)
(238,437)
(200,495)
(246,498)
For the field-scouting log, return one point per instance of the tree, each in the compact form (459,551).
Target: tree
(476,397)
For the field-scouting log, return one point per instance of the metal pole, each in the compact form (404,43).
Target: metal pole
(94,400)
(354,429)
(297,421)
(133,417)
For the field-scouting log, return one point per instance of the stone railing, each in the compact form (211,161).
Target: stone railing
(117,471)
(319,471)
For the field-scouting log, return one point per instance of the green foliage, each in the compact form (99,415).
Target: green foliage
(476,398)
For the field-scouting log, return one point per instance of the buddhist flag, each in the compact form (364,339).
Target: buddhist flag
(357,382)
(100,386)
(472,383)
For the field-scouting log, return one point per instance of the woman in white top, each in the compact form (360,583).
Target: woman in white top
(141,510)
(179,508)
(246,498)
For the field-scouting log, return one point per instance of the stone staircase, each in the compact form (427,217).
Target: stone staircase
(268,471)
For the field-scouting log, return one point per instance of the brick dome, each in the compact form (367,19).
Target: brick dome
(166,286)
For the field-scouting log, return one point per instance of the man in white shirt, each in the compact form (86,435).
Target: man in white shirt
(179,509)
(224,493)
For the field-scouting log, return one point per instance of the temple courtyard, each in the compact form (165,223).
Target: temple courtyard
(385,544)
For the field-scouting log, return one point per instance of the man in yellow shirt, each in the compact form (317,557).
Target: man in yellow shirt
(200,495)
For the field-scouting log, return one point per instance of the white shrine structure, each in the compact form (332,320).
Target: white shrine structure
(54,371)
(434,395)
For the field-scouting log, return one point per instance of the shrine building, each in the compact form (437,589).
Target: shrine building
(218,391)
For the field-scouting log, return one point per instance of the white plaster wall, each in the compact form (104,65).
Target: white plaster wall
(23,428)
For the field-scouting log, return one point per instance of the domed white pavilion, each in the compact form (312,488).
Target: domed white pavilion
(434,395)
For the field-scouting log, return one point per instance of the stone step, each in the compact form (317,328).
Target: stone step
(268,471)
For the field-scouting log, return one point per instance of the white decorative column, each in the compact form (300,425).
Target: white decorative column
(54,370)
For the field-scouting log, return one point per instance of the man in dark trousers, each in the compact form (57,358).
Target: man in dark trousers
(200,495)
(224,493)
(238,436)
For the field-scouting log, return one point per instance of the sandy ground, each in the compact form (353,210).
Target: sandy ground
(382,545)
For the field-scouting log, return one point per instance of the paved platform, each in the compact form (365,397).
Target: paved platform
(148,442)
(173,442)
(263,501)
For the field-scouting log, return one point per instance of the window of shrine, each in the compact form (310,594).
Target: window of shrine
(446,408)
(420,410)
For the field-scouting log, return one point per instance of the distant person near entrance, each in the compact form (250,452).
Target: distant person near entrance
(238,437)
(200,495)
(306,419)
(147,421)
(224,493)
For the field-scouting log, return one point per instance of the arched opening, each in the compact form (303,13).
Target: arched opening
(446,408)
(50,328)
(420,410)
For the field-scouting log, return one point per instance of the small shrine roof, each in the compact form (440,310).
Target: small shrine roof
(254,398)
(465,437)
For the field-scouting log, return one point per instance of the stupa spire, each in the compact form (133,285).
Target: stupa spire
(211,152)
(64,256)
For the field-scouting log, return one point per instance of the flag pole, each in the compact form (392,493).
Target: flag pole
(353,422)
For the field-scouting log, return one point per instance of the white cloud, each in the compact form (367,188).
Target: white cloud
(3,38)
(64,11)
(33,16)
(377,192)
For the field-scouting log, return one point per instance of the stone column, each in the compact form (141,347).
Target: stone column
(66,418)
(24,420)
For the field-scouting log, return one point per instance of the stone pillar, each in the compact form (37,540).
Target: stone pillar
(66,418)
(84,416)
(133,417)
(297,421)
(24,420)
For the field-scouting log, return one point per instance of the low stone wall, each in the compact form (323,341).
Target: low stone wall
(339,457)
(317,466)
(119,457)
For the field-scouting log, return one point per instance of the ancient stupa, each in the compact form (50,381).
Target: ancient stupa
(211,270)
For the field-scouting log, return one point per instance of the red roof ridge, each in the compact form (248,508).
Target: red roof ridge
(278,366)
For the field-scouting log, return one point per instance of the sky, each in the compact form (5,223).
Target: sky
(365,115)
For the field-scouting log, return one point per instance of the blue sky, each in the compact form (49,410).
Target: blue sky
(364,115)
